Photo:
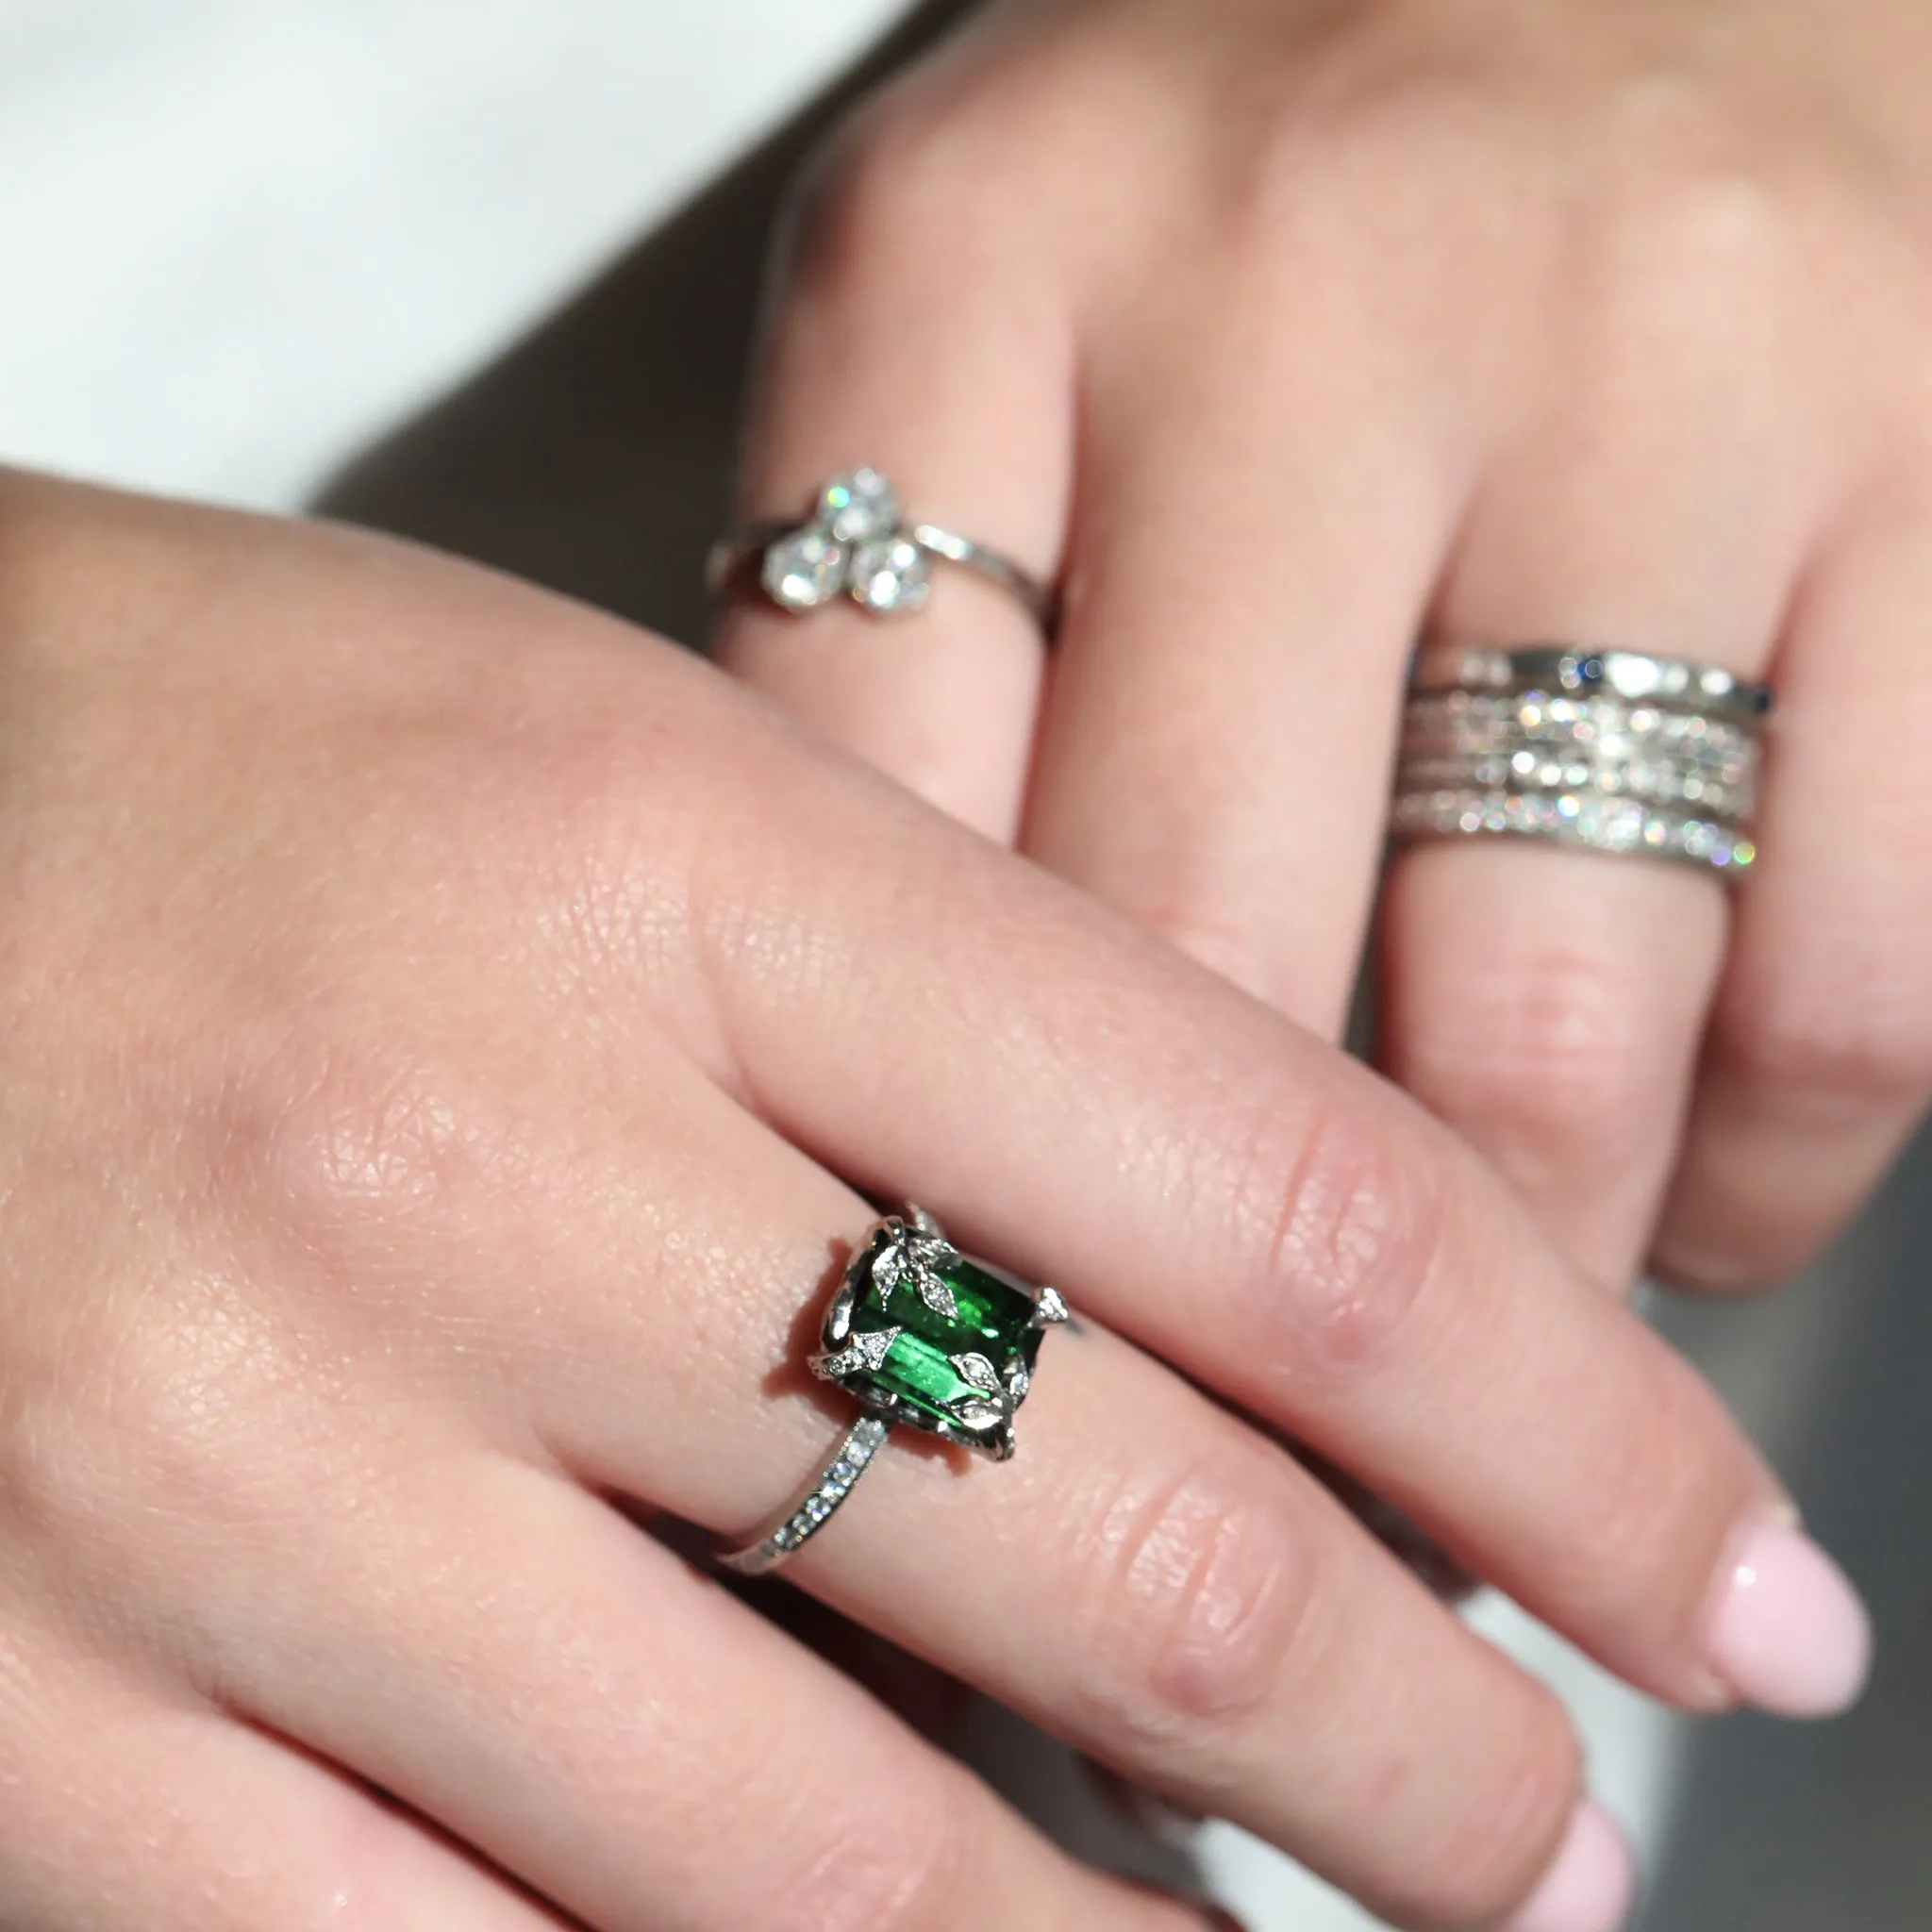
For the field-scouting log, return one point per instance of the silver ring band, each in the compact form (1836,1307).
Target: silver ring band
(1620,827)
(855,545)
(812,1508)
(1671,682)
(1606,751)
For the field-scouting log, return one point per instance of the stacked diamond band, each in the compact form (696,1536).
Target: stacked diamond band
(1612,751)
(856,544)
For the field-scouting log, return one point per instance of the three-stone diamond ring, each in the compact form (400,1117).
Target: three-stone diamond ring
(916,1333)
(1612,751)
(855,545)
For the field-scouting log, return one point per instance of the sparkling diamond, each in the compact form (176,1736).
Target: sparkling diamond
(891,575)
(804,569)
(859,505)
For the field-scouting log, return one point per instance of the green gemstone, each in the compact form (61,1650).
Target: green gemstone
(928,1367)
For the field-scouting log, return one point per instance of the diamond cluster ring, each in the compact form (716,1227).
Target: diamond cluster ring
(917,1334)
(855,545)
(1611,751)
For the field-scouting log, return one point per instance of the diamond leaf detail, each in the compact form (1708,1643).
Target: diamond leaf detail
(888,1271)
(936,1295)
(979,1371)
(866,1355)
(977,1414)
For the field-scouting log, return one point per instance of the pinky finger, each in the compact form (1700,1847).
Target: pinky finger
(1819,1057)
(127,1812)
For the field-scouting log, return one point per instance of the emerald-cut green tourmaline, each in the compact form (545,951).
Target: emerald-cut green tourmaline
(994,1322)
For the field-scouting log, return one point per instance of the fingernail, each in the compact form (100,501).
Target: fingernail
(1787,1631)
(1591,1886)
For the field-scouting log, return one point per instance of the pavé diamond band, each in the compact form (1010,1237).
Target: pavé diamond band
(855,545)
(1610,751)
(918,1334)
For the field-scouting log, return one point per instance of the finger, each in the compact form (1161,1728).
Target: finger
(1546,1004)
(558,1690)
(1089,1108)
(953,380)
(129,1813)
(1260,530)
(1820,1055)
(1148,1578)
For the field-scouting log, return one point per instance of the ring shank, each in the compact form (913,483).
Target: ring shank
(783,1534)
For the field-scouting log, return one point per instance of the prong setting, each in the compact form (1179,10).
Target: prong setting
(1050,1309)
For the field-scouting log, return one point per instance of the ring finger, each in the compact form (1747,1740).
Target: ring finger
(1548,1003)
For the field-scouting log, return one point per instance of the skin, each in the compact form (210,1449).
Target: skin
(1285,333)
(441,1032)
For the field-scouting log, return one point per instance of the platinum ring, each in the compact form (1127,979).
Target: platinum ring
(1605,751)
(917,1333)
(855,545)
(1707,689)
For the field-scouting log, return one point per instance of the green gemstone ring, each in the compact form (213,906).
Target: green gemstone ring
(917,1334)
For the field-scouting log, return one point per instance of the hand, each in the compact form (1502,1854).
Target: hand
(443,1032)
(1288,332)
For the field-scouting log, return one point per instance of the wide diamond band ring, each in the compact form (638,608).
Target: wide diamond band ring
(917,1334)
(1610,751)
(855,545)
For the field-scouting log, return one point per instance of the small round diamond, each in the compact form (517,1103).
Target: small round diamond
(891,576)
(859,505)
(804,569)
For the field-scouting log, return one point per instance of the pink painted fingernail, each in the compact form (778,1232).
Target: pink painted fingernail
(1787,1631)
(1591,1886)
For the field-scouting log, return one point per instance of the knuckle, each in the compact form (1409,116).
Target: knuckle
(1862,1041)
(1345,157)
(888,173)
(1696,210)
(1200,1602)
(1545,1056)
(1353,1222)
(857,1878)
(108,1473)
(340,1147)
